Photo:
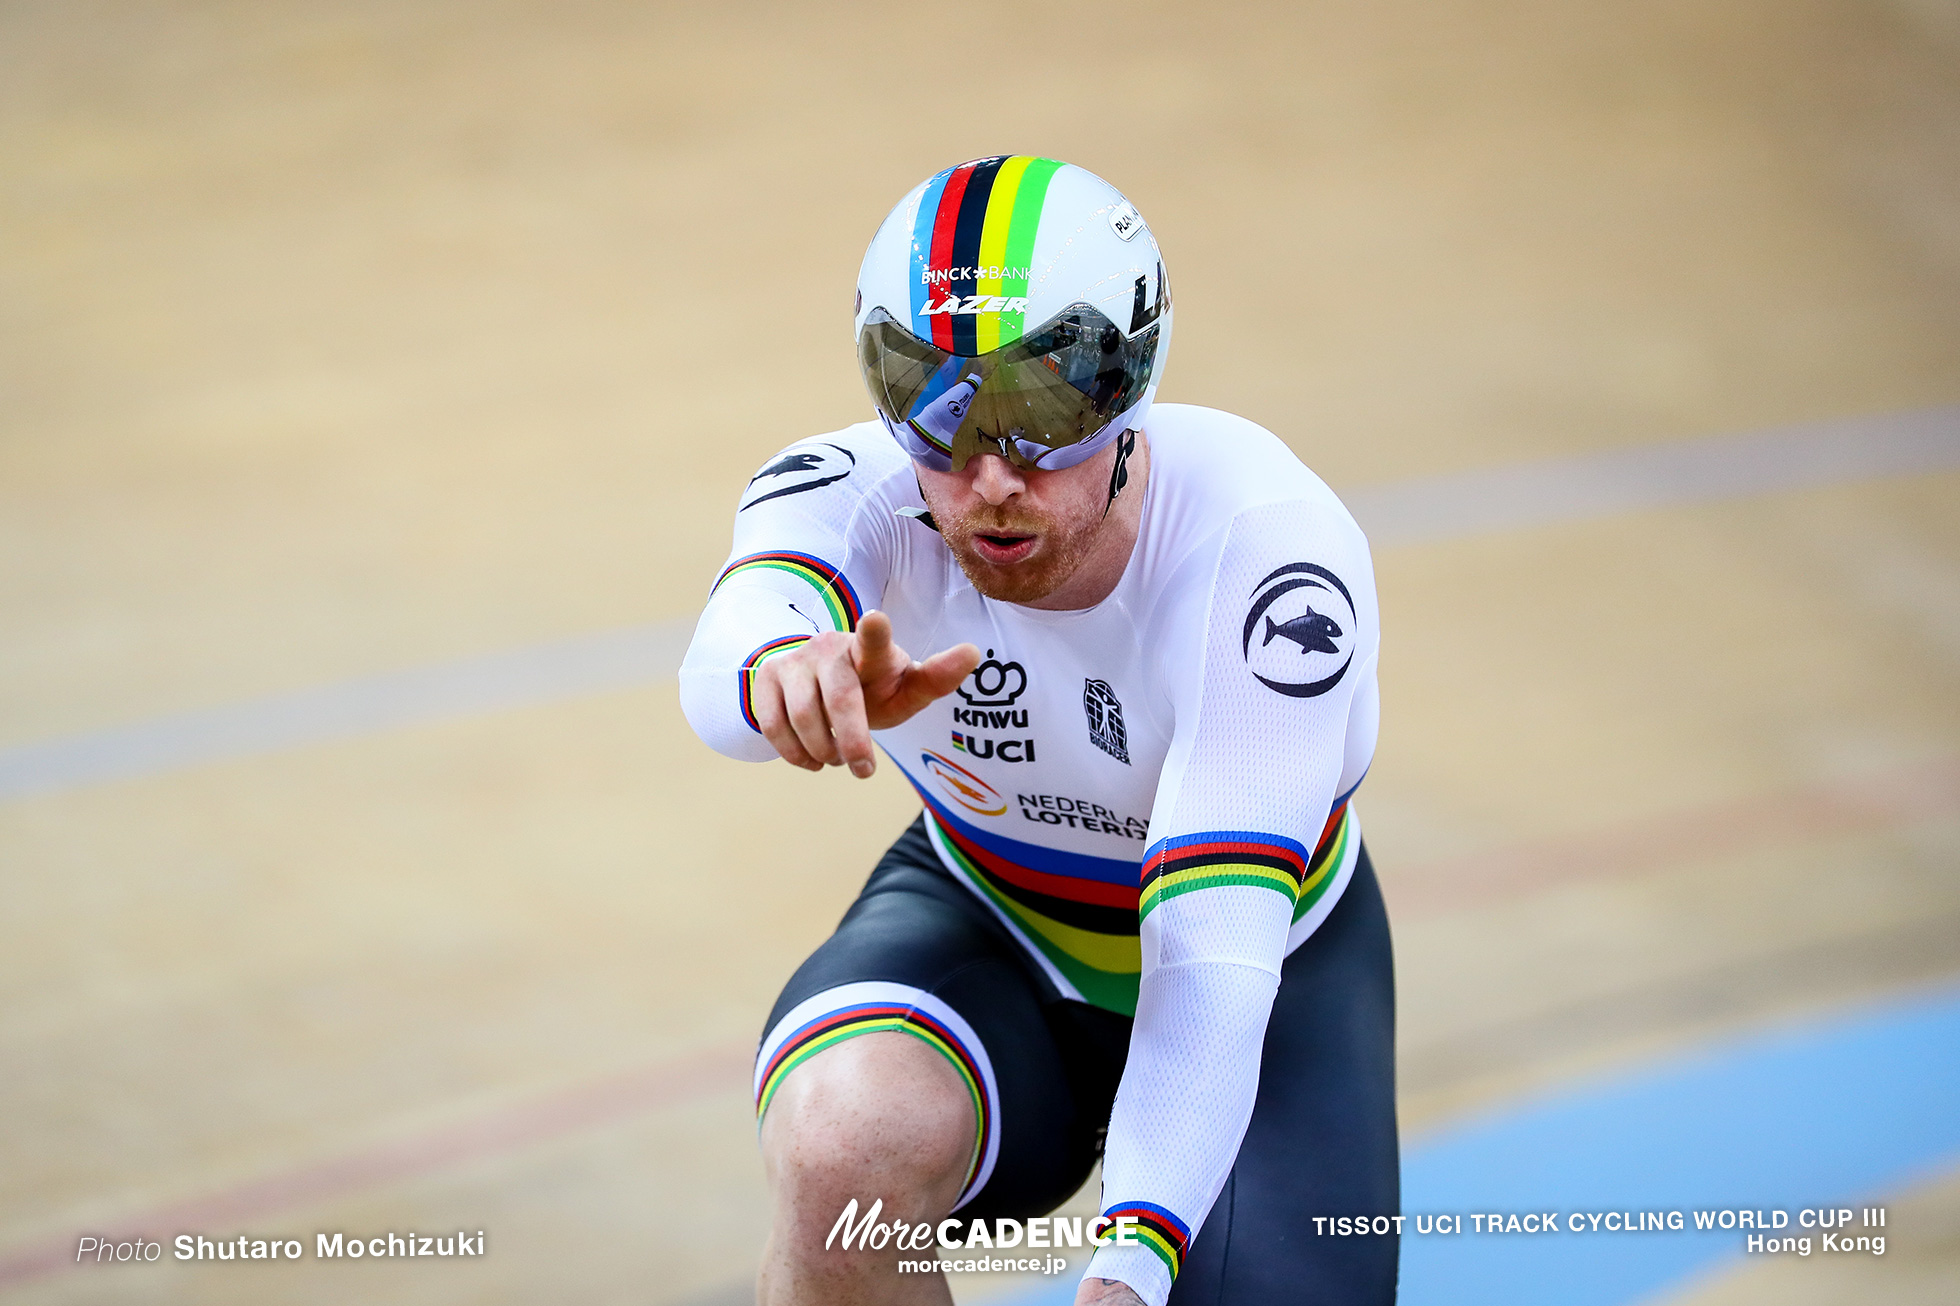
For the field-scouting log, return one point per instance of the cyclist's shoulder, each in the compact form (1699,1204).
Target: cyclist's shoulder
(1211,471)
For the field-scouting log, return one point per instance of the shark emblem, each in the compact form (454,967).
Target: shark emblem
(1311,631)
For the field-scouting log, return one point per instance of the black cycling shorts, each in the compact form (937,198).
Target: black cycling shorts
(919,952)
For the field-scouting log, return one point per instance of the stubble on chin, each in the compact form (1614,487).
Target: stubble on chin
(1056,559)
(1025,582)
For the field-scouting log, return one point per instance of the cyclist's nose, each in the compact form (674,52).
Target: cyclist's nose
(995,479)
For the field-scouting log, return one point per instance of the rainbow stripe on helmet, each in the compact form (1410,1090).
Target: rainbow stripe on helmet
(973,249)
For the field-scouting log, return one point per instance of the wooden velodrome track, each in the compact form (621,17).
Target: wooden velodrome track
(336,339)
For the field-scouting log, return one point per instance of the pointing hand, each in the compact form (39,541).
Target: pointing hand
(819,702)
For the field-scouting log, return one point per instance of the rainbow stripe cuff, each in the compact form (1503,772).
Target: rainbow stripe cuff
(874,1007)
(747,674)
(1158,1229)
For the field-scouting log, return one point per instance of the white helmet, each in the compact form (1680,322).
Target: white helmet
(1013,305)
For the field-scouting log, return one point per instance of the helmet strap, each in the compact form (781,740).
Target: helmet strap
(1119,473)
(923,516)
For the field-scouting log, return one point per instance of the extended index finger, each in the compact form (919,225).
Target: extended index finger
(874,642)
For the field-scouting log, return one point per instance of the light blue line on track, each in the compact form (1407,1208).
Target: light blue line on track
(1838,1111)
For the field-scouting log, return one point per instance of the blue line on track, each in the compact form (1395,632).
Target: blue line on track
(1838,1111)
(494,682)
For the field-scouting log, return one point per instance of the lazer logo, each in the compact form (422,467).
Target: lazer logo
(974,305)
(1007,750)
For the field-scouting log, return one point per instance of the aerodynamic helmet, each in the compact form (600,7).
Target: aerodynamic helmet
(1013,305)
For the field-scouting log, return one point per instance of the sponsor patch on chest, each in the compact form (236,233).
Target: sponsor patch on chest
(1079,814)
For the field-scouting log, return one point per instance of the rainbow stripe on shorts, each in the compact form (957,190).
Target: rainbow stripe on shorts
(872,1007)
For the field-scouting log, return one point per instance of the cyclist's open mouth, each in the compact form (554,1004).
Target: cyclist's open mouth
(1003,549)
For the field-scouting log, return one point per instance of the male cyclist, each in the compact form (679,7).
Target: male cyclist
(1135,919)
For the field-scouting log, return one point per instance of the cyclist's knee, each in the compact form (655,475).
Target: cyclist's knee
(878,1116)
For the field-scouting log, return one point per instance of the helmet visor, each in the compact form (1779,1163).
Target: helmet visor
(1047,400)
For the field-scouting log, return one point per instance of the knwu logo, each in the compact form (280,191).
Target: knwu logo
(994,683)
(991,718)
(991,691)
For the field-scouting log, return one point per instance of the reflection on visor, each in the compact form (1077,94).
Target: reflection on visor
(1046,400)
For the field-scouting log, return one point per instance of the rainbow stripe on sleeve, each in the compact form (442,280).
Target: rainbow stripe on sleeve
(973,242)
(1157,1229)
(1186,863)
(848,1022)
(839,599)
(756,659)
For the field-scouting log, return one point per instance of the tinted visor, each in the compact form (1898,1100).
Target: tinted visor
(1046,400)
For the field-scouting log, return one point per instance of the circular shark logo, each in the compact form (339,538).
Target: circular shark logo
(1299,633)
(801,467)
